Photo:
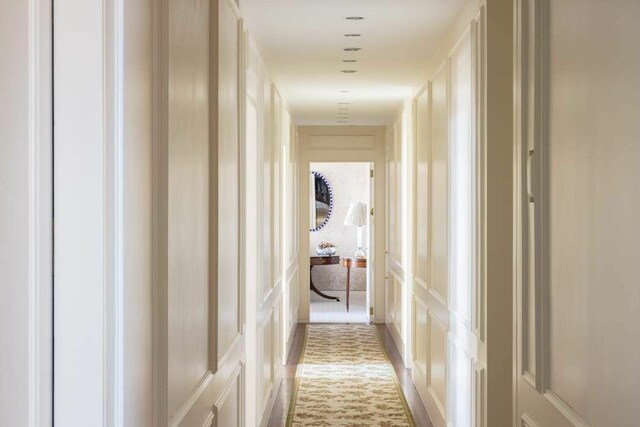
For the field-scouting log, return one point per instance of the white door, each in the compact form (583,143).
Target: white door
(369,241)
(25,214)
(578,167)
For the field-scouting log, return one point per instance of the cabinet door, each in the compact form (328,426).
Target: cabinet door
(577,228)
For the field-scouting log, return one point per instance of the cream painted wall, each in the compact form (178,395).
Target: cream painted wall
(396,291)
(271,258)
(577,241)
(350,184)
(198,331)
(447,270)
(131,213)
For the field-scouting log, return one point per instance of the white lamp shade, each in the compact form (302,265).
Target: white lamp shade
(357,214)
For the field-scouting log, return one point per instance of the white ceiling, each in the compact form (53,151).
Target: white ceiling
(303,40)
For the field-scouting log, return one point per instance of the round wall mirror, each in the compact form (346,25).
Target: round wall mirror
(321,201)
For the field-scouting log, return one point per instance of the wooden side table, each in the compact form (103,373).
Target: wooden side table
(355,263)
(322,260)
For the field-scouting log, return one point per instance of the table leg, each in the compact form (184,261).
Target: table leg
(348,280)
(314,289)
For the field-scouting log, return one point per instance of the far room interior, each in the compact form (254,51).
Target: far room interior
(339,241)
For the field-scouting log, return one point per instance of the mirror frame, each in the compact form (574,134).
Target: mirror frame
(317,175)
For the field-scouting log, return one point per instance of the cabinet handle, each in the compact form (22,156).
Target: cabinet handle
(530,176)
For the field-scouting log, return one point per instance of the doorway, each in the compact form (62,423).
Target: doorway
(343,145)
(340,200)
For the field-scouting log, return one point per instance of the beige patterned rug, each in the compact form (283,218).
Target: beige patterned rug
(344,378)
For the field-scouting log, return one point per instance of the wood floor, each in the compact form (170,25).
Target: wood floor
(281,407)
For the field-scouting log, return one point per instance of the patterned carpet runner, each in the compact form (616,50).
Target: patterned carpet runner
(344,378)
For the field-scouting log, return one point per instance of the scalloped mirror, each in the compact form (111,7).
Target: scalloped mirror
(321,199)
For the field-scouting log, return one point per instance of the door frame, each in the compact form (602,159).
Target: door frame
(370,239)
(336,144)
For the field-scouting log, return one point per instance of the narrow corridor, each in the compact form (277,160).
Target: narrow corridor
(254,198)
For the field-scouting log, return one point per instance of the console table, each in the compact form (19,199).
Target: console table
(324,260)
(352,263)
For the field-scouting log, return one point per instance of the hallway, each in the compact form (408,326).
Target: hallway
(461,174)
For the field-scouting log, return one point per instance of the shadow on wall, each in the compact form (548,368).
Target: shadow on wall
(349,183)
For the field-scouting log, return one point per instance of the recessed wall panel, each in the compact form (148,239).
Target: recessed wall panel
(188,202)
(439,184)
(266,370)
(421,337)
(228,180)
(438,363)
(397,305)
(276,147)
(229,410)
(277,337)
(423,151)
(461,179)
(267,194)
(460,390)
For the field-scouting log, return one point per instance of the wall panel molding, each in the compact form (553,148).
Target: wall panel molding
(567,412)
(478,88)
(433,324)
(526,421)
(347,142)
(448,111)
(274,248)
(479,388)
(216,35)
(236,379)
(188,404)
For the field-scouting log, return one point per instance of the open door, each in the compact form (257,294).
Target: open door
(369,250)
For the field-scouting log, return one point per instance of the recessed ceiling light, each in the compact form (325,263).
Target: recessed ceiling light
(353,35)
(350,60)
(355,18)
(342,121)
(352,49)
(349,71)
(344,91)
(343,108)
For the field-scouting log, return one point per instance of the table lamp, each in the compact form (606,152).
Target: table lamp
(357,215)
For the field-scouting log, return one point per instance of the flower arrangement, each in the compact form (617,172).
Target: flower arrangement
(326,248)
